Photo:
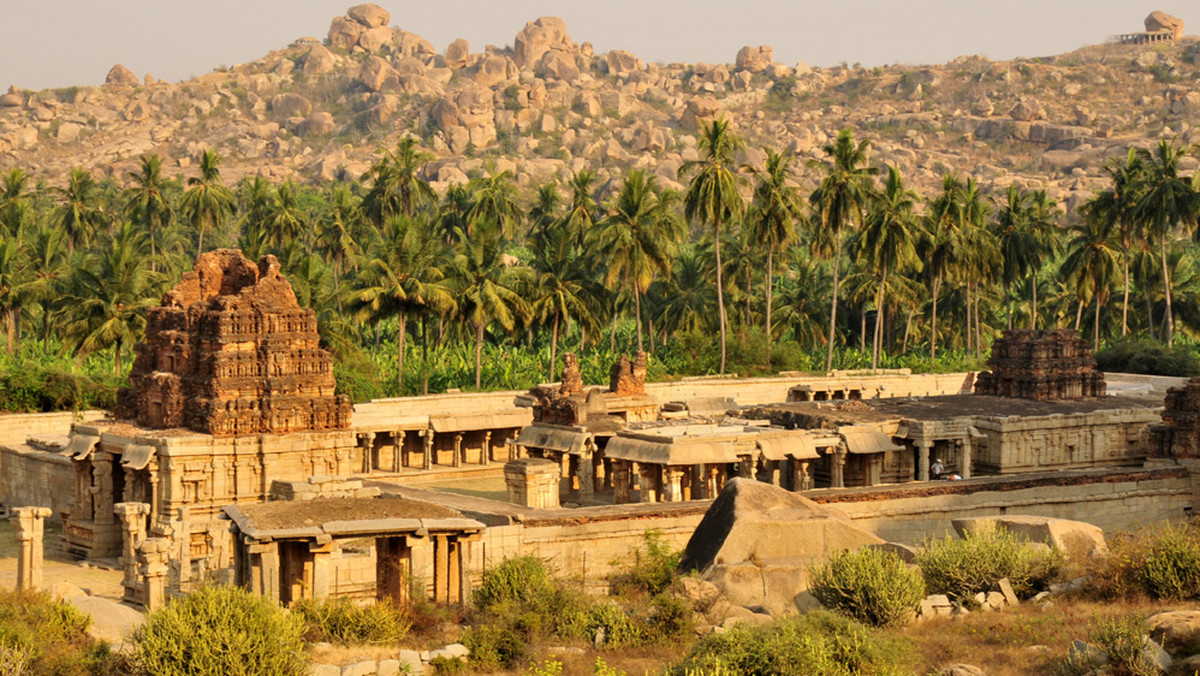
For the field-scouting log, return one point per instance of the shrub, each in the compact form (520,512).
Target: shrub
(46,389)
(522,579)
(817,643)
(348,623)
(869,585)
(976,563)
(1162,562)
(1148,357)
(651,570)
(39,635)
(221,630)
(1122,640)
(494,646)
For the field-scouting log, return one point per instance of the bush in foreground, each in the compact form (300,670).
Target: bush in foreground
(345,622)
(220,631)
(39,635)
(817,643)
(1162,562)
(977,563)
(869,585)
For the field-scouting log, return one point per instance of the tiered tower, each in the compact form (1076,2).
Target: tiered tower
(1041,365)
(231,352)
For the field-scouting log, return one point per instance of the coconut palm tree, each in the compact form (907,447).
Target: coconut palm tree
(147,204)
(564,288)
(1114,207)
(775,209)
(840,202)
(712,197)
(487,289)
(336,228)
(78,213)
(110,295)
(1166,200)
(888,243)
(941,244)
(207,202)
(583,212)
(396,186)
(404,276)
(544,218)
(495,203)
(687,297)
(15,207)
(1091,259)
(283,219)
(48,258)
(639,237)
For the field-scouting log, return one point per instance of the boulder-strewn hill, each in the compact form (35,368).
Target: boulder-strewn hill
(550,106)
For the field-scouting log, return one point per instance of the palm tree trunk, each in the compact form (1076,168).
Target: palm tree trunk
(770,263)
(637,309)
(479,356)
(612,336)
(1170,318)
(837,263)
(1078,314)
(1008,303)
(1125,301)
(553,347)
(937,284)
(117,357)
(907,331)
(967,291)
(978,328)
(1033,317)
(878,340)
(10,332)
(749,288)
(400,355)
(424,357)
(45,329)
(1096,339)
(862,331)
(721,289)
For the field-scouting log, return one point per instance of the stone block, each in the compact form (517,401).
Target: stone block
(320,669)
(360,668)
(1010,597)
(389,668)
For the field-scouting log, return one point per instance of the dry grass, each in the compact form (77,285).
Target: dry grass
(1024,640)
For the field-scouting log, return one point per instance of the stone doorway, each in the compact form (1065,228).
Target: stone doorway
(393,569)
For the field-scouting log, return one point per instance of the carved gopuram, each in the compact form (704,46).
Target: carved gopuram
(230,352)
(229,392)
(1041,365)
(1178,436)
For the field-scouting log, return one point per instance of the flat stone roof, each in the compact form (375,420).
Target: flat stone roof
(951,406)
(349,516)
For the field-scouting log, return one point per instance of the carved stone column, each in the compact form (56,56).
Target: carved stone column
(398,457)
(133,531)
(964,469)
(486,455)
(102,488)
(672,490)
(30,527)
(428,460)
(839,466)
(923,460)
(368,446)
(458,437)
(152,564)
(622,481)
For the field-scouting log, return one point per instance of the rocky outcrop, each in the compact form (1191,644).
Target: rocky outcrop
(465,116)
(539,37)
(120,76)
(363,29)
(291,105)
(317,124)
(620,62)
(755,59)
(318,60)
(757,542)
(1161,21)
(457,54)
(344,33)
(1027,110)
(376,73)
(369,15)
(1075,539)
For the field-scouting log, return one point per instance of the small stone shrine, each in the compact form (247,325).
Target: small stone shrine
(1041,365)
(1178,436)
(230,352)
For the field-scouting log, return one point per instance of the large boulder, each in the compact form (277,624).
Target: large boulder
(537,38)
(621,62)
(699,112)
(1072,538)
(411,44)
(291,105)
(1027,110)
(1161,21)
(344,33)
(317,124)
(369,15)
(374,38)
(755,59)
(561,65)
(375,73)
(757,542)
(493,69)
(318,60)
(1175,630)
(457,54)
(120,76)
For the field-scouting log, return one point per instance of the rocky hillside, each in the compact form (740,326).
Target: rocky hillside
(549,106)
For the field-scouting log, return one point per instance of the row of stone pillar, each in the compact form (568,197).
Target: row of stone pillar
(368,445)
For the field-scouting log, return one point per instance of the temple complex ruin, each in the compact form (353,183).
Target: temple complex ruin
(1160,27)
(1041,365)
(1178,435)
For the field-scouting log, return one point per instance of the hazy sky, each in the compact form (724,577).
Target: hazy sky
(58,43)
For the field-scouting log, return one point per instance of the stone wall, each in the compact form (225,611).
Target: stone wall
(1111,499)
(15,428)
(1014,445)
(36,478)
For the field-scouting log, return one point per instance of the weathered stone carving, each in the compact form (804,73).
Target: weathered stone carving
(231,352)
(572,379)
(628,378)
(1041,365)
(1179,434)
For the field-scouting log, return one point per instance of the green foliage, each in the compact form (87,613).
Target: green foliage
(34,390)
(39,635)
(869,585)
(977,562)
(218,631)
(1161,561)
(818,643)
(1141,356)
(550,667)
(357,377)
(522,580)
(448,666)
(494,646)
(652,570)
(1122,639)
(345,622)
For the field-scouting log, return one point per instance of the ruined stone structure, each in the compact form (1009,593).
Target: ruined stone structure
(628,377)
(29,524)
(1178,436)
(1041,365)
(230,352)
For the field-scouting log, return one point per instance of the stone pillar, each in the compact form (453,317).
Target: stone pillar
(458,437)
(181,533)
(398,458)
(102,488)
(774,470)
(152,564)
(30,526)
(486,455)
(420,547)
(923,460)
(712,481)
(441,568)
(746,467)
(133,528)
(321,549)
(672,490)
(965,457)
(805,476)
(368,446)
(839,466)
(585,473)
(427,462)
(650,479)
(622,480)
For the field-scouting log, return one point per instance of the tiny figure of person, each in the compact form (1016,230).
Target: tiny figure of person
(936,469)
